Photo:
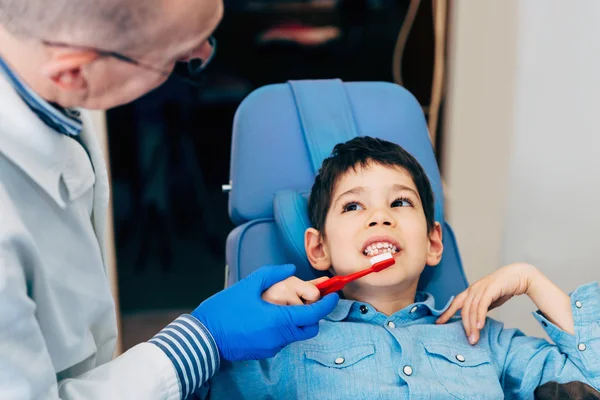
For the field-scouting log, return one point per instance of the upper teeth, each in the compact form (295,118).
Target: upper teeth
(379,248)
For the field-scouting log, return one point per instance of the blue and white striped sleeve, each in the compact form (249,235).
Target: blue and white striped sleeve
(192,350)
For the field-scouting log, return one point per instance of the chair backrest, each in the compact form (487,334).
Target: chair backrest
(282,133)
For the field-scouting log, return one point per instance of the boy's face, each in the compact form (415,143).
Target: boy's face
(374,210)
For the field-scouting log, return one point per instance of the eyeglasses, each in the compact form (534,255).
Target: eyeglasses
(192,74)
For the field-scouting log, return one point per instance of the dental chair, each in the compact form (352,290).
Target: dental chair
(281,134)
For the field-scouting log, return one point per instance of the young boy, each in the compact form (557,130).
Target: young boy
(385,340)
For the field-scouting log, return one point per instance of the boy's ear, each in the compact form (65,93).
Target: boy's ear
(65,67)
(315,250)
(436,248)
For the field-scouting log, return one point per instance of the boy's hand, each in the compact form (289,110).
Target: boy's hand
(488,293)
(294,291)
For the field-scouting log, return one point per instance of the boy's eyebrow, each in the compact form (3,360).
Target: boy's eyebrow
(399,188)
(355,191)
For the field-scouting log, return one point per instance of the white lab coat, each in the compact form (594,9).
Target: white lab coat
(57,317)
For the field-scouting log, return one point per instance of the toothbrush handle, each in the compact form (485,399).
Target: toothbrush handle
(331,285)
(336,283)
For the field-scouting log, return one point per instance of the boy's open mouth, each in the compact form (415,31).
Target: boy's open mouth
(379,246)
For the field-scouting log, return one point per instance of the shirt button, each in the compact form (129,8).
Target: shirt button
(460,357)
(339,360)
(408,371)
(414,309)
(581,346)
(578,304)
(544,324)
(364,309)
(391,325)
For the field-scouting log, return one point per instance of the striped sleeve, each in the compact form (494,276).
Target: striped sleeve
(192,350)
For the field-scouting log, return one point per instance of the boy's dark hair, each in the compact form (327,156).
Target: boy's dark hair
(362,151)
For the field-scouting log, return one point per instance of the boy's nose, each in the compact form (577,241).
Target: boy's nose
(381,217)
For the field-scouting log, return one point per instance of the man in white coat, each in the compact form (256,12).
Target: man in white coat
(57,317)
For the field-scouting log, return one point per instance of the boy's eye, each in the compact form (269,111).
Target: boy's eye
(352,207)
(402,203)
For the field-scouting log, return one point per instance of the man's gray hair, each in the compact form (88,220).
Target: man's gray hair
(85,22)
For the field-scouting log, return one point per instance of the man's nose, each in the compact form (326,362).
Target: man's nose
(381,217)
(203,53)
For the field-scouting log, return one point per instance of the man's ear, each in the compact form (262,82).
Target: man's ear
(316,251)
(65,67)
(436,248)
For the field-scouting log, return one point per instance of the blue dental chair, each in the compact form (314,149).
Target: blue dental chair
(281,135)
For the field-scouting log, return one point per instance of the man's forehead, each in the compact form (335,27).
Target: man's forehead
(191,18)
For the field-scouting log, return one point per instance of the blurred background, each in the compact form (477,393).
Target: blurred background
(509,89)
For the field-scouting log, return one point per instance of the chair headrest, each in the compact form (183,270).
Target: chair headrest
(270,152)
(291,219)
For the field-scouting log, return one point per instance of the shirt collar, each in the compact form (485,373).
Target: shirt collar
(48,157)
(61,120)
(424,303)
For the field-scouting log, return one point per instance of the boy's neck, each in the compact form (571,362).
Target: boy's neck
(385,300)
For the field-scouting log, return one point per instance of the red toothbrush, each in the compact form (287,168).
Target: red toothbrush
(378,263)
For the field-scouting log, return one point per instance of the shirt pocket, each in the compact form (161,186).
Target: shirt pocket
(343,372)
(465,372)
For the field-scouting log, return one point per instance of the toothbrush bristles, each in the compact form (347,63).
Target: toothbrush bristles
(381,257)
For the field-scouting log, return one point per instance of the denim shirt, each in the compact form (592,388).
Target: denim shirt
(360,353)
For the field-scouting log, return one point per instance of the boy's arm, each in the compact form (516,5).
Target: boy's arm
(551,301)
(495,289)
(572,322)
(527,362)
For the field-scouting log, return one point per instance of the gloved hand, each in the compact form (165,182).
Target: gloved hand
(246,327)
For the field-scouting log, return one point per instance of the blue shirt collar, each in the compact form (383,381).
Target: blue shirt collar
(60,120)
(423,306)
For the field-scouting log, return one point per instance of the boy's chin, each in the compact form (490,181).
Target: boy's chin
(386,278)
(398,275)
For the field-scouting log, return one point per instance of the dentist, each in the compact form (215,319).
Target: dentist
(57,317)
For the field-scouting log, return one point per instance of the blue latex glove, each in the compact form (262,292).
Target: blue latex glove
(246,327)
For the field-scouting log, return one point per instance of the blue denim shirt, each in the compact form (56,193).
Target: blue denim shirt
(363,354)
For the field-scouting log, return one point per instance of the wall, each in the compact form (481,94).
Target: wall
(479,119)
(522,138)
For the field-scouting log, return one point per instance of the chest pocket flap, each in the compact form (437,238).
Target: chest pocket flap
(343,357)
(460,355)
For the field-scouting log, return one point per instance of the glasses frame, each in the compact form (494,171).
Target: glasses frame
(194,70)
